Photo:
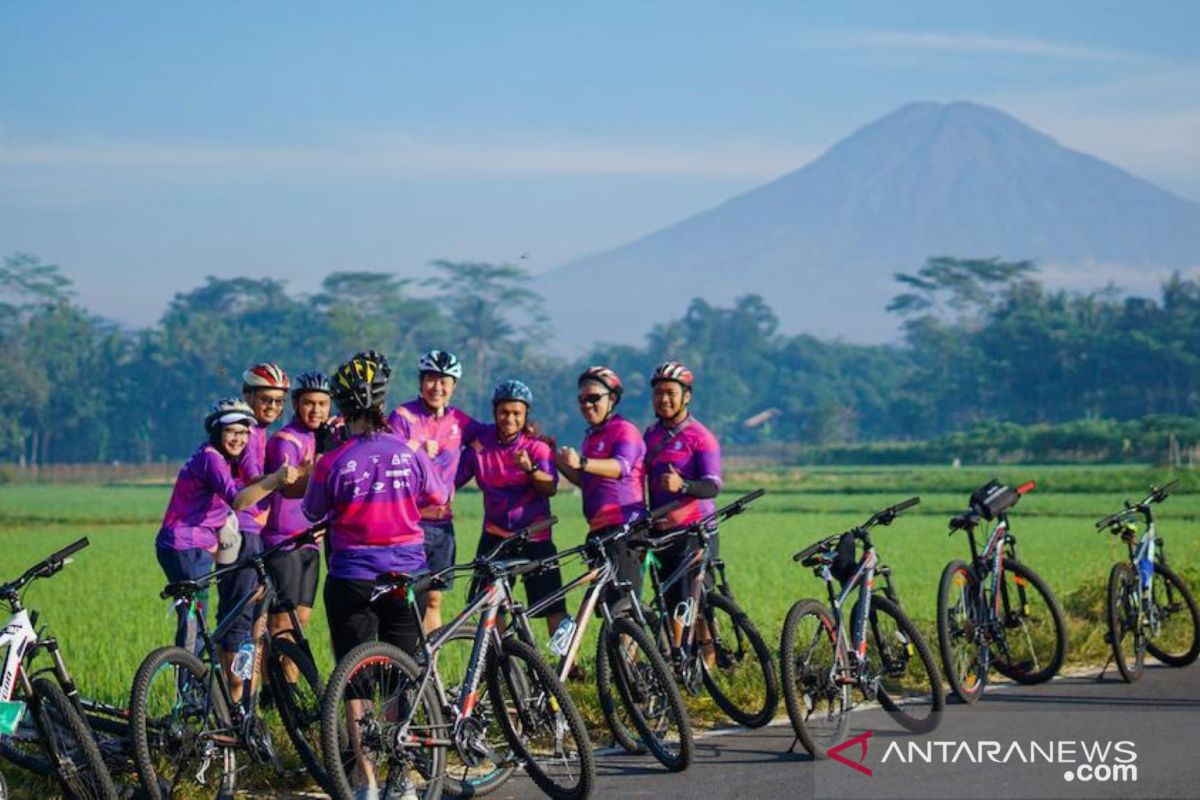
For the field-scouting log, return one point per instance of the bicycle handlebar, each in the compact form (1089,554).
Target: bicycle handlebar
(45,568)
(702,525)
(885,517)
(1157,495)
(182,588)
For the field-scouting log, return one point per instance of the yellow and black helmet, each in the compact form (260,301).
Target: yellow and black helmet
(361,383)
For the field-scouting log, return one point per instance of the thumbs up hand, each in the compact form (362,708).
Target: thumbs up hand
(671,480)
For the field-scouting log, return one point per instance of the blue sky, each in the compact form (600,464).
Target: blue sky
(146,145)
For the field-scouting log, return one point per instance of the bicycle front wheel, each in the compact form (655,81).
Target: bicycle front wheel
(72,750)
(378,730)
(297,689)
(1035,637)
(1125,632)
(541,722)
(908,685)
(650,695)
(1177,642)
(616,716)
(174,716)
(817,704)
(958,618)
(738,672)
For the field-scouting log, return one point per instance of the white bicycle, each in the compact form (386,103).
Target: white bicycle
(53,735)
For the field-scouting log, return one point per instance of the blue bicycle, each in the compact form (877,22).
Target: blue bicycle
(1149,607)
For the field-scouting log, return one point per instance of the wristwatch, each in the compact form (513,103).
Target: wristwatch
(685,488)
(532,470)
(583,463)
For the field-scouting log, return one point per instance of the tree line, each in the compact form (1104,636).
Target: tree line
(983,341)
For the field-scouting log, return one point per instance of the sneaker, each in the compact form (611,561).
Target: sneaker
(402,789)
(577,673)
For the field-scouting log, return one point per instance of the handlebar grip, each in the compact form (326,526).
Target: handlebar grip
(1109,520)
(69,550)
(907,504)
(1026,488)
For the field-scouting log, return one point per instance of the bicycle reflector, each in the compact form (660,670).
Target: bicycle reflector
(11,712)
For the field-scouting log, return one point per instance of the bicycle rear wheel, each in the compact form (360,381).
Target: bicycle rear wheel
(1125,633)
(909,687)
(174,716)
(817,704)
(650,695)
(378,729)
(541,722)
(1035,635)
(958,618)
(69,744)
(1177,642)
(297,689)
(741,679)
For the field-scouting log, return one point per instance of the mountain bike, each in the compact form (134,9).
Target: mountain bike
(183,717)
(707,639)
(996,611)
(63,744)
(389,720)
(1149,607)
(629,664)
(878,651)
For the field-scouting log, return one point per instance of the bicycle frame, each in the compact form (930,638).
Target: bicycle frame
(863,579)
(597,579)
(991,561)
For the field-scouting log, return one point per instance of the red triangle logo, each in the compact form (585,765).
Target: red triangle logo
(861,740)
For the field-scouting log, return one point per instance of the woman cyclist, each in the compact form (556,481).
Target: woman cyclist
(295,572)
(205,492)
(683,463)
(515,471)
(430,422)
(609,469)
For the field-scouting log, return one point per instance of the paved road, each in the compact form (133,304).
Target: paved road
(1155,721)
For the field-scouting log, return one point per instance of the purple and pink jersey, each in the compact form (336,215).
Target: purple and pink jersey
(250,465)
(416,424)
(200,502)
(510,502)
(293,444)
(614,501)
(696,455)
(371,489)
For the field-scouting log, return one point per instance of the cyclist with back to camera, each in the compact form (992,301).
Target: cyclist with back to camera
(515,471)
(370,488)
(609,469)
(295,572)
(441,430)
(683,462)
(205,492)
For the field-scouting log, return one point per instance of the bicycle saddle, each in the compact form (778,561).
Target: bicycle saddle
(182,589)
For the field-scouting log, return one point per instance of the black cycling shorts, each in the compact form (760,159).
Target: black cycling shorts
(539,585)
(296,573)
(354,619)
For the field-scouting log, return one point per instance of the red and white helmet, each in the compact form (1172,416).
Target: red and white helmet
(605,377)
(673,371)
(265,376)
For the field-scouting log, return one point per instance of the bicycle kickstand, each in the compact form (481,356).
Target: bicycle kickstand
(1100,677)
(795,741)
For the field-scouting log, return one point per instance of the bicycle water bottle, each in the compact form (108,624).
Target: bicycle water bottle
(560,642)
(243,662)
(1145,570)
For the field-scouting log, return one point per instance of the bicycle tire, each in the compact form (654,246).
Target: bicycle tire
(547,695)
(729,658)
(1187,656)
(611,707)
(1022,671)
(24,748)
(72,751)
(896,649)
(806,677)
(654,674)
(1125,621)
(964,661)
(464,785)
(365,663)
(298,702)
(181,733)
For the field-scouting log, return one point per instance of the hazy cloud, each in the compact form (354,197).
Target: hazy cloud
(940,42)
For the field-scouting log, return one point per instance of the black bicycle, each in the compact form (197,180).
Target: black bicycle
(59,739)
(1149,607)
(996,611)
(184,719)
(876,649)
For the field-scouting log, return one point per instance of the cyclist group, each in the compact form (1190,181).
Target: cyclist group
(385,483)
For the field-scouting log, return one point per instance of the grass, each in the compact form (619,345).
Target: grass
(106,612)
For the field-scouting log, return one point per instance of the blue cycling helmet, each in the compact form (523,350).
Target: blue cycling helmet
(512,390)
(314,381)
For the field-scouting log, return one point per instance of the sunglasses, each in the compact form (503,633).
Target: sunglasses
(592,399)
(270,401)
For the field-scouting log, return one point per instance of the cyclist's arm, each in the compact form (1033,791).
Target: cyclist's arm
(544,476)
(707,458)
(254,492)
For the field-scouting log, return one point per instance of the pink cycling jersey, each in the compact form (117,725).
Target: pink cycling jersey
(614,501)
(371,488)
(294,445)
(695,454)
(200,502)
(510,501)
(416,424)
